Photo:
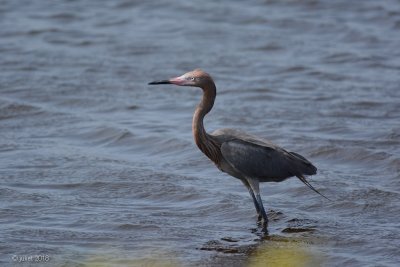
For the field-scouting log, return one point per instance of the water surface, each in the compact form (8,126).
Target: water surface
(98,166)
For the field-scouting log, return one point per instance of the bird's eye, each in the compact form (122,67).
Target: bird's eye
(192,78)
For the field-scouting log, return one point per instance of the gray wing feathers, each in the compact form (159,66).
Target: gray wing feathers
(266,161)
(253,160)
(307,167)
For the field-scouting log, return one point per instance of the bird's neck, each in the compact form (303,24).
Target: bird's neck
(204,141)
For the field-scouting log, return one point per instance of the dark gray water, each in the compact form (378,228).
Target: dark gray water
(97,166)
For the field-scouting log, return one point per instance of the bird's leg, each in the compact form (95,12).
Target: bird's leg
(262,211)
(255,186)
(259,218)
(254,199)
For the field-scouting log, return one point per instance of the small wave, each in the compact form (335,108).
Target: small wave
(34,32)
(297,230)
(47,186)
(107,136)
(353,155)
(65,16)
(127,4)
(169,145)
(293,69)
(374,194)
(270,47)
(16,194)
(368,104)
(340,58)
(327,75)
(112,23)
(355,36)
(137,227)
(12,110)
(68,41)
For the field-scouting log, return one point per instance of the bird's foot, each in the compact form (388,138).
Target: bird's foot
(261,222)
(263,227)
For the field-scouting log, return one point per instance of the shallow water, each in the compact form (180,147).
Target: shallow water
(97,166)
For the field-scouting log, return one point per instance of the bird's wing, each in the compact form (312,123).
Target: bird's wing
(258,158)
(260,161)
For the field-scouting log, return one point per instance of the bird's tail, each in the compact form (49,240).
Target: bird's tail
(303,179)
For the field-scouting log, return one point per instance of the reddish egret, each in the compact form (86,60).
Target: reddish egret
(246,157)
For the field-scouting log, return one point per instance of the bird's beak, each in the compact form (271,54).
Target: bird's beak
(177,80)
(160,82)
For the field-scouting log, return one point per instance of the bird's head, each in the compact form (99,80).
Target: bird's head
(196,78)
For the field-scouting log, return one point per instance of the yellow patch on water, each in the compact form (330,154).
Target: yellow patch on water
(132,263)
(149,260)
(283,254)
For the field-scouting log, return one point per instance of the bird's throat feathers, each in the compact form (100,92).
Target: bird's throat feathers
(207,145)
(205,142)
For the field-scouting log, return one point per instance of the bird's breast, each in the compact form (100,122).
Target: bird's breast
(224,166)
